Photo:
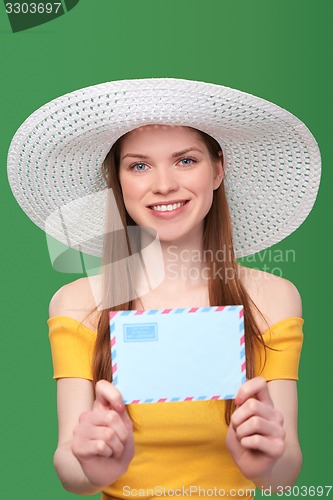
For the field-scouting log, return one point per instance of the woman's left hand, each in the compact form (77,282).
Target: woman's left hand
(256,437)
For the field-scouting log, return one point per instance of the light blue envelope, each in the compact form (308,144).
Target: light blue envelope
(178,354)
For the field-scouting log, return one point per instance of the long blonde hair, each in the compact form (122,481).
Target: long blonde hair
(217,235)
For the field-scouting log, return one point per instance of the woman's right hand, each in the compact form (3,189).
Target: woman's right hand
(103,440)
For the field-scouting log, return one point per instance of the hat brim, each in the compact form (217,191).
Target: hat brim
(272,161)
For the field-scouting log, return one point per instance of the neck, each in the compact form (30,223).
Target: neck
(177,265)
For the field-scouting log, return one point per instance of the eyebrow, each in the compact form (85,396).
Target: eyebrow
(174,155)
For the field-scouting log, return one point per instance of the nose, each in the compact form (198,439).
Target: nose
(164,181)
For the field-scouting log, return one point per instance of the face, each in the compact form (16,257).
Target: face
(168,177)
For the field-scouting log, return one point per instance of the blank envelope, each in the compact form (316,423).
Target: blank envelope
(169,355)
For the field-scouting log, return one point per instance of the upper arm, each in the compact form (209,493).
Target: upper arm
(74,396)
(286,299)
(68,300)
(278,299)
(76,300)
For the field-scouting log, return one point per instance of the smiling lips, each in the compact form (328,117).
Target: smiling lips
(168,207)
(171,206)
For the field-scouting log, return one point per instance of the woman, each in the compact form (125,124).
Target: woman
(167,172)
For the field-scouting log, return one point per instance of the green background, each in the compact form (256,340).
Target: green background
(280,51)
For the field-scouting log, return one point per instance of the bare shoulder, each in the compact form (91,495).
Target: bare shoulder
(277,298)
(77,300)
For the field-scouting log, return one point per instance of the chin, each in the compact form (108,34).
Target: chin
(172,238)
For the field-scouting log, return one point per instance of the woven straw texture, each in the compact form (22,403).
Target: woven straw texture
(272,169)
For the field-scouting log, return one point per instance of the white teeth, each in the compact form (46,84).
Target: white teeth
(168,208)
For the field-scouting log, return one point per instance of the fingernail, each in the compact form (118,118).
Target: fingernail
(120,407)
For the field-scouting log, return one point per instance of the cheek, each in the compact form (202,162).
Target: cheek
(129,201)
(204,186)
(208,202)
(128,187)
(132,195)
(207,191)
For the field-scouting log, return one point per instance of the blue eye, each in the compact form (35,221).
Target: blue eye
(187,161)
(134,167)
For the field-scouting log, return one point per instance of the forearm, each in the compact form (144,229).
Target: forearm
(70,472)
(284,472)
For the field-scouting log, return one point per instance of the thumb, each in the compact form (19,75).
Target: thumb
(108,397)
(126,419)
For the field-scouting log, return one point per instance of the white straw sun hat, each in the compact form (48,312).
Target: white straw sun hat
(272,161)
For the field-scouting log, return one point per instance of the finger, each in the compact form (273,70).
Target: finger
(105,419)
(107,396)
(91,448)
(112,441)
(258,425)
(103,449)
(98,434)
(273,447)
(255,387)
(126,419)
(253,407)
(120,422)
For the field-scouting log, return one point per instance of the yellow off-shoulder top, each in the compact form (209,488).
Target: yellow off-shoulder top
(180,447)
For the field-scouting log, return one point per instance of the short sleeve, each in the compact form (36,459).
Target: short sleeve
(284,340)
(72,347)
